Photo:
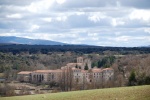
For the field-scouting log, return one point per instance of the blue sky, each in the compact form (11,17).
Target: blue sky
(94,22)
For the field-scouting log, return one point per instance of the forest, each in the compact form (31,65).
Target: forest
(45,49)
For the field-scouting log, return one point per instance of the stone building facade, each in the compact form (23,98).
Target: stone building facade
(44,76)
(72,72)
(24,76)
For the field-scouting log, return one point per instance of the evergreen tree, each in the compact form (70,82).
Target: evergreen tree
(94,64)
(132,78)
(86,67)
(76,66)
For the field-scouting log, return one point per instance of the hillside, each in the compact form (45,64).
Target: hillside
(124,93)
(19,40)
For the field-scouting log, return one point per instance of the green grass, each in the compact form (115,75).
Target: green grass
(124,93)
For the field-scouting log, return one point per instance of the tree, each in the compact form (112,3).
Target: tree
(76,66)
(94,64)
(147,80)
(67,79)
(86,67)
(70,78)
(132,78)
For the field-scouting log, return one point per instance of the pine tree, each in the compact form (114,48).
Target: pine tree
(86,67)
(76,66)
(132,78)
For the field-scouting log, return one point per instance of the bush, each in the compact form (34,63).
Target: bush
(7,90)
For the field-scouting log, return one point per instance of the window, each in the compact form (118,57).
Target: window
(110,78)
(77,80)
(42,77)
(52,76)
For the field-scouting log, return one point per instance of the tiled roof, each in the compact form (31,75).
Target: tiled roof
(84,71)
(80,57)
(71,64)
(63,67)
(108,69)
(25,72)
(74,64)
(96,69)
(73,68)
(47,71)
(79,64)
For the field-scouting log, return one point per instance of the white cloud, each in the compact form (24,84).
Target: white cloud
(116,22)
(12,30)
(60,1)
(147,30)
(33,28)
(80,13)
(95,38)
(62,18)
(10,34)
(92,34)
(117,33)
(47,19)
(96,17)
(123,38)
(15,16)
(140,15)
(40,6)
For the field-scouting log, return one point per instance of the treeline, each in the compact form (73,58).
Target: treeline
(132,70)
(45,49)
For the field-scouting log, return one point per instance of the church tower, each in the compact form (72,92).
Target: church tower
(84,62)
(80,60)
(88,63)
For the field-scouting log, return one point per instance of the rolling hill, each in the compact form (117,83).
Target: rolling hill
(19,40)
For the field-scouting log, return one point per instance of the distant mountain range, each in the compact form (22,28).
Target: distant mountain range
(19,40)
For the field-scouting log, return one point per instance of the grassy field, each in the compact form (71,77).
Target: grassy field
(124,93)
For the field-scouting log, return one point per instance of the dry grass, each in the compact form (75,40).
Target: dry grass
(124,93)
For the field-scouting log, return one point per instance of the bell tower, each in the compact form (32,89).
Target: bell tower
(80,60)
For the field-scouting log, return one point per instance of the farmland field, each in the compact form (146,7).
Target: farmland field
(123,93)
